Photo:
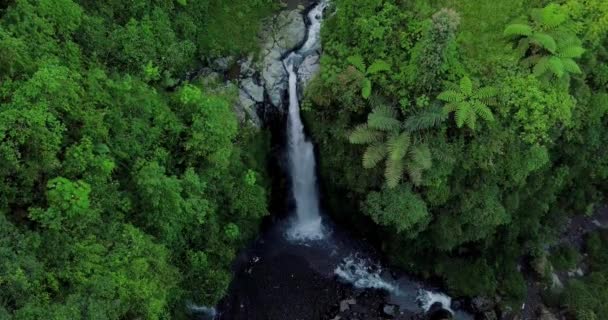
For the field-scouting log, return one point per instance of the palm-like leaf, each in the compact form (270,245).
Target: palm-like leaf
(421,157)
(463,112)
(426,119)
(398,145)
(393,172)
(485,93)
(357,62)
(383,118)
(374,153)
(378,66)
(541,66)
(544,40)
(518,29)
(571,66)
(571,52)
(362,134)
(366,88)
(466,86)
(483,111)
(556,66)
(451,96)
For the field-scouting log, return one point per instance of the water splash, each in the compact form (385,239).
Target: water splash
(428,298)
(364,274)
(307,224)
(207,312)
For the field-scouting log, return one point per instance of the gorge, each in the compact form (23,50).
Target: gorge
(305,266)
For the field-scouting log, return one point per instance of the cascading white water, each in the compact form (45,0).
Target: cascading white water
(428,298)
(307,224)
(364,274)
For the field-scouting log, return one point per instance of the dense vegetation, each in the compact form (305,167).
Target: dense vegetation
(480,125)
(125,192)
(467,131)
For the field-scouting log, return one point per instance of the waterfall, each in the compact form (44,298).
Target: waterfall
(307,223)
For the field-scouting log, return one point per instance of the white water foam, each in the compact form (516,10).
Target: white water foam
(307,224)
(428,298)
(364,274)
(208,312)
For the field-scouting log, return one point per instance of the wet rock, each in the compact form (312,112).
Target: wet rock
(253,90)
(390,310)
(222,64)
(482,304)
(556,283)
(281,34)
(545,314)
(308,69)
(489,315)
(345,304)
(246,109)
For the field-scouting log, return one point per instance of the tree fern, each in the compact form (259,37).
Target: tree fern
(518,29)
(549,42)
(376,67)
(383,118)
(374,154)
(362,134)
(468,104)
(393,172)
(429,118)
(397,146)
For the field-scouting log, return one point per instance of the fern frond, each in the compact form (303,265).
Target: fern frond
(552,16)
(383,118)
(485,93)
(571,52)
(541,67)
(398,145)
(415,175)
(357,62)
(523,46)
(378,66)
(463,112)
(483,111)
(393,172)
(544,40)
(466,85)
(556,66)
(374,154)
(571,66)
(451,96)
(426,119)
(518,29)
(366,88)
(362,134)
(421,157)
(472,120)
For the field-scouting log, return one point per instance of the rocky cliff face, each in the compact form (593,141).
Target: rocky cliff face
(261,80)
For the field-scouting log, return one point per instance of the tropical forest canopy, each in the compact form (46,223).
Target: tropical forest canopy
(467,131)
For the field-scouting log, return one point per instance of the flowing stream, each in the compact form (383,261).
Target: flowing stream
(309,268)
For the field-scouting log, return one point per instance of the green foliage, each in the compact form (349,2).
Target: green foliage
(386,140)
(565,258)
(376,67)
(548,43)
(122,199)
(468,104)
(398,208)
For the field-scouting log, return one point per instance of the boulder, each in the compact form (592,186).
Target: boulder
(308,69)
(246,109)
(482,304)
(545,314)
(252,89)
(280,35)
(390,310)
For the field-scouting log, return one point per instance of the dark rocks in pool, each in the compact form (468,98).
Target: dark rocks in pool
(437,312)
